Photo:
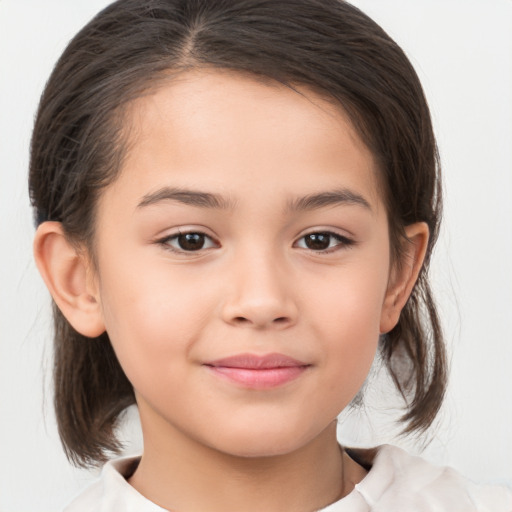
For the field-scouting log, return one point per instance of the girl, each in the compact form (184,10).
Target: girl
(237,202)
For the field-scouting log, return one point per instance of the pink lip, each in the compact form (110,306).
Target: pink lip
(258,372)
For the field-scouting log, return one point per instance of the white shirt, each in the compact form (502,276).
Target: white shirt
(396,482)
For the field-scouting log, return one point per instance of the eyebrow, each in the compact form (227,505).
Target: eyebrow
(185,196)
(331,198)
(209,200)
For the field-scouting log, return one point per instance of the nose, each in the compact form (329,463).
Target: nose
(260,294)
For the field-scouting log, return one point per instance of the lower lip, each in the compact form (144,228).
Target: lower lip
(265,378)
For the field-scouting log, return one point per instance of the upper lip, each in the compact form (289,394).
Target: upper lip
(257,362)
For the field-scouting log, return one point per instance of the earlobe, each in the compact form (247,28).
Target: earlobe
(68,276)
(405,275)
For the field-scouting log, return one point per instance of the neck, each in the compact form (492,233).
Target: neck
(178,473)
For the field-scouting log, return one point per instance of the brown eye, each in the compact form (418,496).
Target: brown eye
(323,241)
(188,242)
(318,241)
(191,241)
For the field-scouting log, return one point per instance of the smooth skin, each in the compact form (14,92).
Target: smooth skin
(287,252)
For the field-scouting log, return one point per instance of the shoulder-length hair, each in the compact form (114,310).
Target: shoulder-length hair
(327,45)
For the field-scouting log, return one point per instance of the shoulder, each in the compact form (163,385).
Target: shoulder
(398,479)
(112,493)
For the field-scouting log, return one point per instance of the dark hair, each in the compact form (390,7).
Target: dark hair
(327,45)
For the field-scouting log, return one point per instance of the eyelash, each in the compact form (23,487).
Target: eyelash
(342,242)
(166,242)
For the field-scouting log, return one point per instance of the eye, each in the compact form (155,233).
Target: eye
(188,242)
(323,241)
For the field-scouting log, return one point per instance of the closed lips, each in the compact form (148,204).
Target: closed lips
(255,362)
(258,372)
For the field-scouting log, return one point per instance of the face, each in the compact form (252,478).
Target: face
(242,263)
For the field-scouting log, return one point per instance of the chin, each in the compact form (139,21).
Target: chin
(264,442)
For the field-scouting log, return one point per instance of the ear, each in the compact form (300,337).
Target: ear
(404,275)
(70,279)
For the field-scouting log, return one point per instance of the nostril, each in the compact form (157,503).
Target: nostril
(244,320)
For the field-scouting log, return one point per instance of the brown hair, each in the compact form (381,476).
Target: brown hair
(327,45)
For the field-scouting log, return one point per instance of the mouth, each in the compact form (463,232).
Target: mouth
(258,372)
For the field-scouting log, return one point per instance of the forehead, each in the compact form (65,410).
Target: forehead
(224,128)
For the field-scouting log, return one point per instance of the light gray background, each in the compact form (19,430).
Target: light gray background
(462,50)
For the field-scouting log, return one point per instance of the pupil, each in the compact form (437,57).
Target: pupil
(191,241)
(318,241)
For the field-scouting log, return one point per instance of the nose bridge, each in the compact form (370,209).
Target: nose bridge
(260,294)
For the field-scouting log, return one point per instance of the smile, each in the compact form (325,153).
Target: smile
(258,372)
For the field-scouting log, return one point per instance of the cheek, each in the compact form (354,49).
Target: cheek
(350,300)
(151,323)
(348,313)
